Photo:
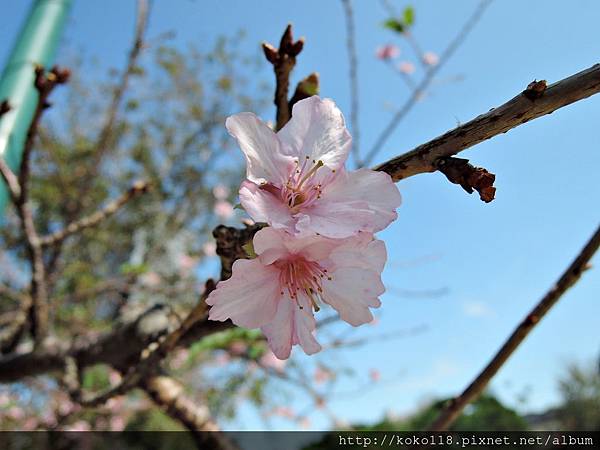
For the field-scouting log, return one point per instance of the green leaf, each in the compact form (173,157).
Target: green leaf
(408,16)
(394,25)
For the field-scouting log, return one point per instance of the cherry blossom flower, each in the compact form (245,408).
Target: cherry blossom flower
(278,290)
(209,248)
(430,58)
(269,360)
(406,67)
(322,375)
(296,179)
(374,375)
(223,209)
(221,192)
(388,51)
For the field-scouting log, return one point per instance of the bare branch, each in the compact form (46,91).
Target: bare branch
(45,84)
(528,105)
(283,60)
(353,74)
(11,180)
(104,137)
(425,82)
(96,218)
(567,280)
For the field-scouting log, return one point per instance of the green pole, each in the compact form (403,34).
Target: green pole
(35,45)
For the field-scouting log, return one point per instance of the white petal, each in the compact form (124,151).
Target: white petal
(249,298)
(317,130)
(261,146)
(352,291)
(362,200)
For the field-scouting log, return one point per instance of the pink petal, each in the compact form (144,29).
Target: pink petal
(361,251)
(249,298)
(271,244)
(305,325)
(263,206)
(362,200)
(279,331)
(352,291)
(290,326)
(261,146)
(317,130)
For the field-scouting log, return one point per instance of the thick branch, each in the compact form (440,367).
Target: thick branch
(94,219)
(170,395)
(568,279)
(528,105)
(123,347)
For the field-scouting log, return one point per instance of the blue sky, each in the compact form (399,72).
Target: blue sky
(495,260)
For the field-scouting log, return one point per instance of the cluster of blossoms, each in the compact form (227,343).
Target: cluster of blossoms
(319,246)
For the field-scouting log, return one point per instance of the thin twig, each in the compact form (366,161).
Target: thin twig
(11,180)
(103,141)
(44,84)
(530,104)
(427,79)
(353,74)
(567,280)
(94,219)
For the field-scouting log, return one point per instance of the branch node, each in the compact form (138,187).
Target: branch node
(535,89)
(460,171)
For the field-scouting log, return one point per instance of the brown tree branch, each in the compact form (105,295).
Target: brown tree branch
(44,84)
(122,347)
(530,104)
(283,60)
(567,280)
(420,89)
(96,218)
(169,394)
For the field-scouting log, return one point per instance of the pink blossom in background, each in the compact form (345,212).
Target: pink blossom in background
(284,411)
(278,290)
(374,375)
(238,347)
(406,67)
(186,263)
(80,425)
(114,377)
(322,375)
(430,58)
(388,51)
(15,413)
(209,248)
(271,361)
(30,424)
(221,192)
(304,423)
(296,180)
(117,423)
(223,209)
(150,279)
